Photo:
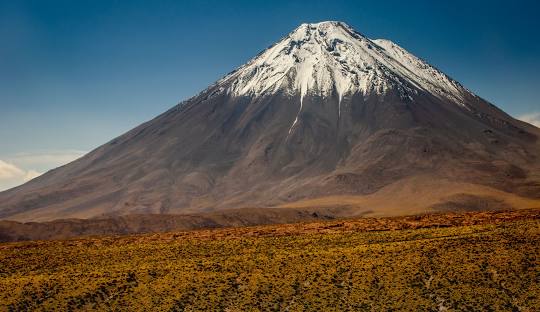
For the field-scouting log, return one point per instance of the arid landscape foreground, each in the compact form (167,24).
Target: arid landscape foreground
(439,262)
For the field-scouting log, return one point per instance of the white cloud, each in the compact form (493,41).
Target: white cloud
(11,175)
(30,174)
(532,118)
(43,161)
(9,171)
(23,167)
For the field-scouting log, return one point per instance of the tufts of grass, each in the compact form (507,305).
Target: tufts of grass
(487,267)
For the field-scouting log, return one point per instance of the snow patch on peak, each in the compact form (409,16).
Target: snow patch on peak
(430,78)
(331,58)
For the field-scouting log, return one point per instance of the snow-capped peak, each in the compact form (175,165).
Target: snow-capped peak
(328,57)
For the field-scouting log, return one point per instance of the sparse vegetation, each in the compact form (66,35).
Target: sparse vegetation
(331,266)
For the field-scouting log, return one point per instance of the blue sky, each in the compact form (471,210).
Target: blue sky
(75,74)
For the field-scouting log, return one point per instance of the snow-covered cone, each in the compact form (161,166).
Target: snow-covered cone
(326,117)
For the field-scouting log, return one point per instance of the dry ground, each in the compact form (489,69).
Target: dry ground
(461,262)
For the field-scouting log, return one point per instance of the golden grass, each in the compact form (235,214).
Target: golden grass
(425,264)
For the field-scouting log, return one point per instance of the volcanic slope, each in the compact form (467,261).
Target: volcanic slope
(324,113)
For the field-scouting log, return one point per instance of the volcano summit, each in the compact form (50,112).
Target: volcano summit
(326,117)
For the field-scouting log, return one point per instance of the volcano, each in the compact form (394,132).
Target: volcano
(324,118)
